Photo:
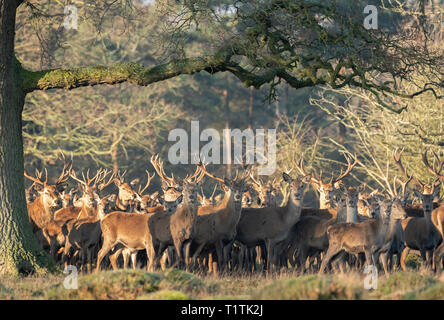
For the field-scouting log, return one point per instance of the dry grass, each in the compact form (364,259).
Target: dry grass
(176,284)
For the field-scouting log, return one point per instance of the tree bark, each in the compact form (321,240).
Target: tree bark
(19,251)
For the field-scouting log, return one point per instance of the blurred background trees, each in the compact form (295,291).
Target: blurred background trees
(121,126)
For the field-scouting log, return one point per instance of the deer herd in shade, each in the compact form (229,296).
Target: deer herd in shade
(246,228)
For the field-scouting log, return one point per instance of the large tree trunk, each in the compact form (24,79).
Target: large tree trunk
(19,251)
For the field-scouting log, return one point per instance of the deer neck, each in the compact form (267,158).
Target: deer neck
(392,227)
(86,212)
(188,209)
(324,203)
(100,214)
(122,205)
(292,210)
(231,211)
(45,212)
(352,214)
(428,220)
(341,213)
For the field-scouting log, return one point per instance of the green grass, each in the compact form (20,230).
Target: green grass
(178,285)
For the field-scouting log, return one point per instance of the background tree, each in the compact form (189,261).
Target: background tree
(261,43)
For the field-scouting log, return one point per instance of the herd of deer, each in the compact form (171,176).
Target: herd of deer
(245,228)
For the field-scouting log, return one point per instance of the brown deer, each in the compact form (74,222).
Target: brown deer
(267,193)
(40,211)
(270,226)
(309,237)
(136,232)
(437,213)
(217,228)
(210,201)
(368,237)
(126,194)
(84,234)
(419,232)
(89,187)
(326,189)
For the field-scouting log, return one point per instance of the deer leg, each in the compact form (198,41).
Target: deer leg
(270,248)
(331,252)
(113,258)
(187,247)
(126,254)
(134,259)
(429,258)
(404,254)
(437,256)
(106,247)
(384,259)
(152,257)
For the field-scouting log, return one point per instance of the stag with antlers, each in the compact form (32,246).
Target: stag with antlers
(419,232)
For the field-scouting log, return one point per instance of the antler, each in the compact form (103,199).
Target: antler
(158,166)
(257,182)
(198,174)
(67,167)
(38,177)
(88,182)
(147,183)
(436,171)
(403,186)
(101,177)
(214,191)
(397,157)
(204,170)
(121,176)
(300,166)
(350,167)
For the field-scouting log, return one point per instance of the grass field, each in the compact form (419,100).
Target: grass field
(177,284)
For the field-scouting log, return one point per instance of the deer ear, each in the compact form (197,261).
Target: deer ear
(417,193)
(287,177)
(134,182)
(179,199)
(61,187)
(116,182)
(112,197)
(307,179)
(155,195)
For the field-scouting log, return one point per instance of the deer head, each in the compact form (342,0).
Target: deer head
(426,192)
(267,193)
(171,188)
(326,189)
(91,187)
(49,193)
(126,190)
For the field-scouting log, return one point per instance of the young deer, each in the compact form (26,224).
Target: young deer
(368,237)
(271,226)
(84,234)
